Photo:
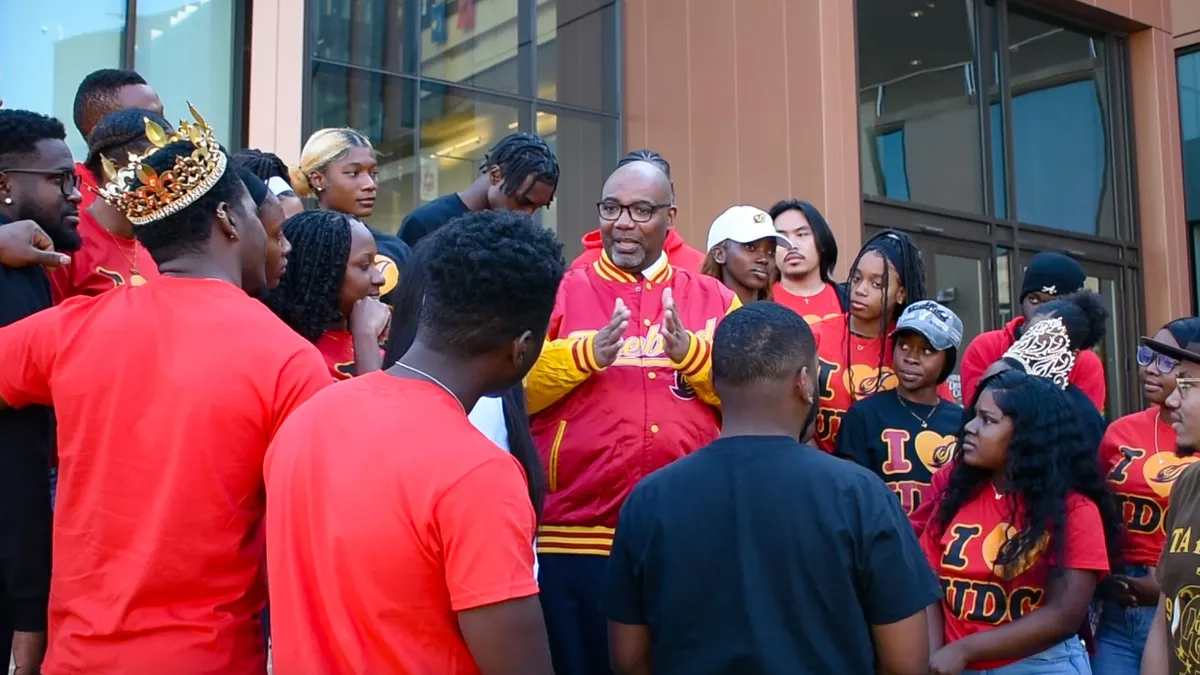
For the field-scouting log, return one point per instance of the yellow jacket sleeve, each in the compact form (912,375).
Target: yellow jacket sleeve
(697,365)
(564,364)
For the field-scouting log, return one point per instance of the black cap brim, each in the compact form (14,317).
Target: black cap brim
(1173,351)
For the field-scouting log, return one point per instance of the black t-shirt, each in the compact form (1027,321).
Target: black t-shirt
(886,435)
(390,259)
(757,554)
(26,443)
(425,220)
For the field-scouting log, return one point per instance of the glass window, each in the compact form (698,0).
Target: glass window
(918,97)
(382,107)
(204,32)
(1189,123)
(579,142)
(577,53)
(372,33)
(1004,285)
(1110,350)
(1060,128)
(474,43)
(47,48)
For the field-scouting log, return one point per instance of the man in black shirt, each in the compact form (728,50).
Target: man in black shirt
(757,554)
(904,435)
(520,173)
(38,183)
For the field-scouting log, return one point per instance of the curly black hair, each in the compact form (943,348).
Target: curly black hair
(1084,315)
(520,156)
(97,96)
(188,230)
(899,251)
(22,130)
(117,135)
(490,276)
(823,237)
(1049,457)
(307,296)
(265,165)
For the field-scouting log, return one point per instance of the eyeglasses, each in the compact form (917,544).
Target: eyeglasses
(67,179)
(1164,363)
(1184,384)
(639,212)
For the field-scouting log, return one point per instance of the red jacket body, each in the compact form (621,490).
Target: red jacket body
(678,252)
(600,431)
(989,347)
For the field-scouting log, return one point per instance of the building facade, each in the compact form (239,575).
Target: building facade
(988,129)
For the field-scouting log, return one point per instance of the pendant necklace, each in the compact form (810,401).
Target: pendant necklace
(923,420)
(435,381)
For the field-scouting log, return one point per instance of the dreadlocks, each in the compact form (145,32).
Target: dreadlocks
(307,296)
(520,156)
(263,164)
(899,253)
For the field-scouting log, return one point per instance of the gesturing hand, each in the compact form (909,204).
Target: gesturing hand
(609,339)
(676,340)
(23,243)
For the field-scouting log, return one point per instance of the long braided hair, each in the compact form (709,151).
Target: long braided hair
(520,156)
(899,252)
(307,296)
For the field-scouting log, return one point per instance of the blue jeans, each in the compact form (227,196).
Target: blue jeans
(1121,635)
(1065,658)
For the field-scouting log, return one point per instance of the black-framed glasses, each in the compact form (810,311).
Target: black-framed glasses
(639,212)
(1164,363)
(68,180)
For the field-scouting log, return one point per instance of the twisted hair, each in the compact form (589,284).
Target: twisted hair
(98,95)
(307,296)
(1049,457)
(265,165)
(119,134)
(900,252)
(827,247)
(188,230)
(520,156)
(1084,315)
(647,155)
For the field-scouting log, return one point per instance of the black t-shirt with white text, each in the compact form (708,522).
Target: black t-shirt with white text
(902,442)
(757,554)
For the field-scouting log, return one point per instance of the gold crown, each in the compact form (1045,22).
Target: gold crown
(1045,351)
(161,195)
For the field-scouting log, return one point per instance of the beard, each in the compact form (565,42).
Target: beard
(65,238)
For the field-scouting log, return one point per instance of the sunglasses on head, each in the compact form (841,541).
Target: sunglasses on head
(1164,363)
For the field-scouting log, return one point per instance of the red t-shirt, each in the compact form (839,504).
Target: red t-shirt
(166,397)
(87,182)
(988,348)
(376,543)
(978,597)
(863,377)
(104,262)
(815,308)
(1138,458)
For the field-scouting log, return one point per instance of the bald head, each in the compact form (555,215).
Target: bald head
(635,215)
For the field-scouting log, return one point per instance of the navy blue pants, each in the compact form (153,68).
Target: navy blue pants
(571,590)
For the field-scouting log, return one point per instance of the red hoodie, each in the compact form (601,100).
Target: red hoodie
(678,252)
(989,347)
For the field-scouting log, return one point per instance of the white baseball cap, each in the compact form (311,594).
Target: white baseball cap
(744,224)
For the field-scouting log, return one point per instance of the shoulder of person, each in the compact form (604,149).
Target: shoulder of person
(685,278)
(989,339)
(1080,504)
(1188,482)
(1088,359)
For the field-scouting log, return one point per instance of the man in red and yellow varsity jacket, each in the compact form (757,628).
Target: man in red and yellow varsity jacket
(623,387)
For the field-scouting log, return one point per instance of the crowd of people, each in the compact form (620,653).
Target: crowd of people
(240,424)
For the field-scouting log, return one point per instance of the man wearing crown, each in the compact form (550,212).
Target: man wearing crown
(166,396)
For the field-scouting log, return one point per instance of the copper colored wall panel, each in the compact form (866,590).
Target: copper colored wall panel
(277,77)
(750,100)
(1185,22)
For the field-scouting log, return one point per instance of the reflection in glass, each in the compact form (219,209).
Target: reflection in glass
(577,53)
(960,286)
(380,106)
(204,32)
(918,113)
(47,48)
(1060,126)
(472,42)
(586,148)
(372,33)
(1110,350)
(1004,285)
(1189,123)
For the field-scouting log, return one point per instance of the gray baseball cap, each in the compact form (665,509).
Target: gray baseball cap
(937,323)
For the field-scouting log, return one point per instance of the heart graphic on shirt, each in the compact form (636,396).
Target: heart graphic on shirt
(863,380)
(997,538)
(1162,469)
(934,449)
